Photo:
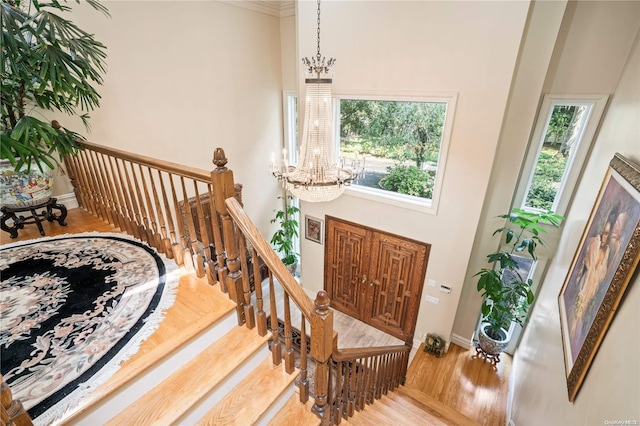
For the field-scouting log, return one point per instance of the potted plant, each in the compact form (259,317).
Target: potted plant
(507,294)
(48,64)
(282,239)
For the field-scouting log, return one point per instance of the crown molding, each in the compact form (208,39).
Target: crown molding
(277,8)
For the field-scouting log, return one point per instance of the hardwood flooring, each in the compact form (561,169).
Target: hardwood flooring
(464,382)
(352,333)
(459,379)
(77,221)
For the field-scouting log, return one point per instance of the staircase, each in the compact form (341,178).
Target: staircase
(204,368)
(214,372)
(409,406)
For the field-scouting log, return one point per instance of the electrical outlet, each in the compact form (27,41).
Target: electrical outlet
(432,299)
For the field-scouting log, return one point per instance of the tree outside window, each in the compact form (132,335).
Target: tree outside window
(564,128)
(399,143)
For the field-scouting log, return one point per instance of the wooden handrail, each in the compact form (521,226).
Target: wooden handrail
(316,312)
(170,206)
(348,354)
(270,258)
(360,375)
(196,217)
(166,166)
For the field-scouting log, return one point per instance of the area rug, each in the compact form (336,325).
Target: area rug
(72,308)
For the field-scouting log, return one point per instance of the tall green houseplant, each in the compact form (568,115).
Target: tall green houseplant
(506,301)
(48,64)
(282,239)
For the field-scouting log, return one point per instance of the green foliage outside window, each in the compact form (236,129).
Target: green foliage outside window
(407,134)
(409,180)
(546,179)
(393,129)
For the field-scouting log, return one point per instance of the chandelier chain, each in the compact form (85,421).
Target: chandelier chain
(318,54)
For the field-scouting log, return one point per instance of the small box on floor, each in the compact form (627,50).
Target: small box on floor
(434,345)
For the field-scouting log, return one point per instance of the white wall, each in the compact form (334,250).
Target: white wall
(414,47)
(289,53)
(611,390)
(590,49)
(186,77)
(543,26)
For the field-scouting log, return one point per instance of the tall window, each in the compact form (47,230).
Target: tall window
(561,141)
(290,116)
(400,143)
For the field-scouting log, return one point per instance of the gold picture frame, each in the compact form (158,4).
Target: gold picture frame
(602,266)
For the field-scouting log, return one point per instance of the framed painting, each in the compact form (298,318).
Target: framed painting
(601,269)
(313,229)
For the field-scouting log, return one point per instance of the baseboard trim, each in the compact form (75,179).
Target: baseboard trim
(461,341)
(68,200)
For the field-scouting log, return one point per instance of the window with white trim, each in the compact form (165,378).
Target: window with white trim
(560,143)
(401,142)
(290,117)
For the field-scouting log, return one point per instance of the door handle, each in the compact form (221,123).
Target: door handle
(364,279)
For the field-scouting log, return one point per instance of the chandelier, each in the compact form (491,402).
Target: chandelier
(317,176)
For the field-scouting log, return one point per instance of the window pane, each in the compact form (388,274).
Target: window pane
(397,142)
(562,136)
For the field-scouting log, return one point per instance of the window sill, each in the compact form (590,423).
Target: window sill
(391,198)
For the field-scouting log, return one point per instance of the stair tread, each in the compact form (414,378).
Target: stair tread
(185,387)
(397,404)
(252,397)
(158,345)
(407,406)
(382,414)
(433,407)
(295,412)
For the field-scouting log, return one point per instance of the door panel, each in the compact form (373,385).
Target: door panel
(374,276)
(345,261)
(397,273)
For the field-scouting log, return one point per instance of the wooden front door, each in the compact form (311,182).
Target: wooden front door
(347,251)
(375,276)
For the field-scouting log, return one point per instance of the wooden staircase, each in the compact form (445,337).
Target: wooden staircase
(402,407)
(221,374)
(200,367)
(215,372)
(409,406)
(205,368)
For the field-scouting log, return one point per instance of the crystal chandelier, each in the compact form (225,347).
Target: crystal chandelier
(317,176)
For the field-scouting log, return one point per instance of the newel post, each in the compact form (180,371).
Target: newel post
(229,275)
(321,347)
(11,411)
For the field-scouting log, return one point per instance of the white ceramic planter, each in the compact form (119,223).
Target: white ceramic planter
(492,346)
(21,189)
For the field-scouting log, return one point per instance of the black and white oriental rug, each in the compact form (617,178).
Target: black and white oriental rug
(72,308)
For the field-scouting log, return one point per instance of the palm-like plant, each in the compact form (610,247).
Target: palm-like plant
(47,63)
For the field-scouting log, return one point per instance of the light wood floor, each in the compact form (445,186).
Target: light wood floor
(461,380)
(458,379)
